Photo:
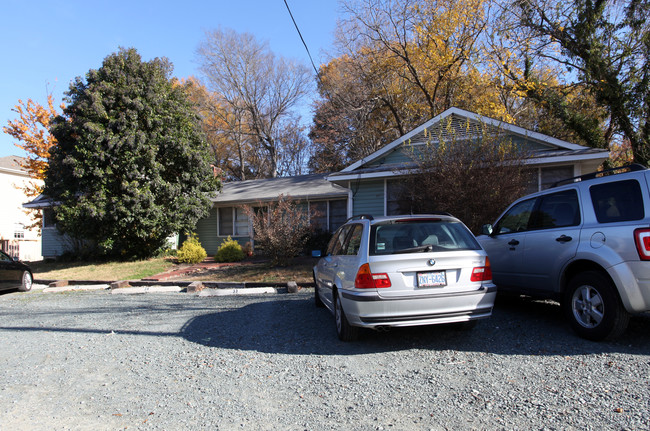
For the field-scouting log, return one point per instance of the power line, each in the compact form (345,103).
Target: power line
(301,38)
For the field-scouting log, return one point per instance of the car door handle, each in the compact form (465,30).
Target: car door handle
(513,242)
(563,238)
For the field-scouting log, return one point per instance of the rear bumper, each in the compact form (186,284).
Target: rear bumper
(368,309)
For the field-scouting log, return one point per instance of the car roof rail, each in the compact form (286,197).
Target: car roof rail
(360,217)
(598,174)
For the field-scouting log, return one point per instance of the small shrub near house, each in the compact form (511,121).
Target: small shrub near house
(191,251)
(229,251)
(281,229)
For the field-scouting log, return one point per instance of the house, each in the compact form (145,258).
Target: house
(15,237)
(368,186)
(328,201)
(373,185)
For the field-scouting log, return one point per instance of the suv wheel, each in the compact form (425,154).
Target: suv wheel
(593,307)
(344,330)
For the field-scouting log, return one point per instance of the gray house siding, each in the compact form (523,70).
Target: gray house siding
(369,198)
(206,229)
(53,243)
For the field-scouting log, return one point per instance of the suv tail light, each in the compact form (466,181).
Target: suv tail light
(482,273)
(367,280)
(642,241)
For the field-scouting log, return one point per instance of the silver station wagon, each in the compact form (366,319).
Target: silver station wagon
(403,271)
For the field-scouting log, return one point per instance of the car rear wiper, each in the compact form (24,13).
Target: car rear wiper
(427,247)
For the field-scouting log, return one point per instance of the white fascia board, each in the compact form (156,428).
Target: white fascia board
(570,159)
(535,161)
(517,129)
(383,174)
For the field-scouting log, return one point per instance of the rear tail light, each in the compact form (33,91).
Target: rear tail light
(642,241)
(482,273)
(367,280)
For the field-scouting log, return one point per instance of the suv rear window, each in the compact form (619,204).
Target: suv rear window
(406,236)
(617,201)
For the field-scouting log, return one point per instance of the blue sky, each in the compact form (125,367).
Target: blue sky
(46,44)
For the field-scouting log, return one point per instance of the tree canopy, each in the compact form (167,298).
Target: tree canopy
(31,130)
(131,166)
(577,71)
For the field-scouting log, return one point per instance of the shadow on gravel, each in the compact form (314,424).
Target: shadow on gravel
(295,326)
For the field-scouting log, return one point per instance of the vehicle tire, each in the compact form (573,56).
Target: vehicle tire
(317,301)
(344,330)
(593,307)
(27,282)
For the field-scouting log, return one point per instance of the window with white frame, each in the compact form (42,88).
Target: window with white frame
(241,222)
(233,221)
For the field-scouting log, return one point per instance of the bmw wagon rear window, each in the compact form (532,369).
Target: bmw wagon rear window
(423,235)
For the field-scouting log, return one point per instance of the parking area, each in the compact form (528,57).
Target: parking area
(92,360)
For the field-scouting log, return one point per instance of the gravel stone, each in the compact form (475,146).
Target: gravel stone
(89,360)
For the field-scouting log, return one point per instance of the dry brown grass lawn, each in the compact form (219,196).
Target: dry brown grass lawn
(100,271)
(300,270)
(255,270)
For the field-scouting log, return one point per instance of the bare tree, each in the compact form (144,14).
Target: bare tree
(244,74)
(474,177)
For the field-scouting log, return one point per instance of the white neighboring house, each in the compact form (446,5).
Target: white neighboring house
(15,239)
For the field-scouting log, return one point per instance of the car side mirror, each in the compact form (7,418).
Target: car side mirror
(315,253)
(487,229)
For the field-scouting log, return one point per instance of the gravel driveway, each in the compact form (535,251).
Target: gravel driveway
(92,360)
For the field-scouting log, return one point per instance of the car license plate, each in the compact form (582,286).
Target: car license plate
(432,279)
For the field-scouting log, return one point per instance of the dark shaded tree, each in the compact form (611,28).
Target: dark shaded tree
(131,166)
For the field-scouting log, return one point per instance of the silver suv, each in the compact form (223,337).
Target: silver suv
(403,271)
(585,244)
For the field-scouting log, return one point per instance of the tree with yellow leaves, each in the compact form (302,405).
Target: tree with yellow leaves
(31,130)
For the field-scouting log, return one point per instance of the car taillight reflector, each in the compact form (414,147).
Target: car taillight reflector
(482,273)
(642,241)
(367,280)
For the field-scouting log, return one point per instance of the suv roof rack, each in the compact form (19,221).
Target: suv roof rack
(612,171)
(360,217)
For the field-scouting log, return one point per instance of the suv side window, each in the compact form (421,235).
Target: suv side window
(556,210)
(617,201)
(516,219)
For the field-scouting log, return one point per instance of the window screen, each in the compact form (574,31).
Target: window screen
(338,213)
(225,221)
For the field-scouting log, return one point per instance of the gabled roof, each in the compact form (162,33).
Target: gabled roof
(303,187)
(464,124)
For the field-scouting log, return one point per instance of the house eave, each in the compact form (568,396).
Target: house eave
(341,178)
